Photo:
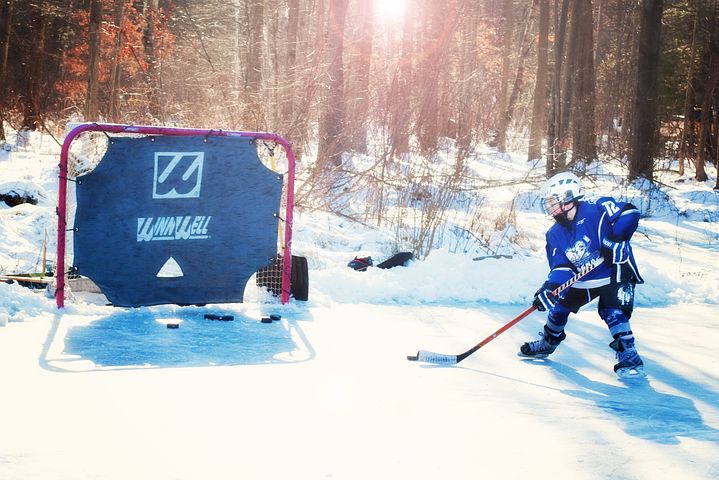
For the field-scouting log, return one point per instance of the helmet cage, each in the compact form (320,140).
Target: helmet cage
(553,205)
(560,193)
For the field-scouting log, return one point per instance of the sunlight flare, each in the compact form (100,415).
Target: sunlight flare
(390,11)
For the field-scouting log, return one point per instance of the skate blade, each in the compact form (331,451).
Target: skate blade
(631,372)
(538,356)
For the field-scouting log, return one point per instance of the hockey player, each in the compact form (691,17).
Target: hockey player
(584,231)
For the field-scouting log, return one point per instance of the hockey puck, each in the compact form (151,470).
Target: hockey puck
(173,325)
(266,320)
(222,318)
(275,317)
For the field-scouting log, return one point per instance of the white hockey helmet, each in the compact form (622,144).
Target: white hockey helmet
(561,190)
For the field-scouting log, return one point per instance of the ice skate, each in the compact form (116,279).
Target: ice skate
(629,363)
(543,347)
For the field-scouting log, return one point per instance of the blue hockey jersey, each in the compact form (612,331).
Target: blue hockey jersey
(571,246)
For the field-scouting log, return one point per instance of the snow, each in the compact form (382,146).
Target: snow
(96,392)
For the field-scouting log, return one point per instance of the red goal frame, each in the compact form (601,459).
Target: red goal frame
(173,131)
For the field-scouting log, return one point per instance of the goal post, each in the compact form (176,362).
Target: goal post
(177,171)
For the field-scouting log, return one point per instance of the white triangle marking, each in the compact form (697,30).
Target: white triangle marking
(171,269)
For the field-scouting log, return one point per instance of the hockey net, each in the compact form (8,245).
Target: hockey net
(87,144)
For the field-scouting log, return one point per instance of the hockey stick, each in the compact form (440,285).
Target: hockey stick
(444,359)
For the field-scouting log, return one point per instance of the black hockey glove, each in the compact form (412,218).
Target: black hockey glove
(615,252)
(544,299)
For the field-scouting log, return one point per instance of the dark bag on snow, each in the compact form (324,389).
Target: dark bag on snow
(398,260)
(360,264)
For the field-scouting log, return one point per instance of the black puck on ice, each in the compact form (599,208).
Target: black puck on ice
(222,318)
(266,320)
(275,317)
(173,325)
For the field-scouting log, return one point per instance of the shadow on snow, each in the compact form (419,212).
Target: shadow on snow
(641,410)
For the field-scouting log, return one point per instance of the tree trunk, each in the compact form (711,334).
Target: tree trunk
(93,61)
(627,50)
(644,134)
(685,138)
(704,143)
(6,29)
(568,69)
(507,31)
(270,101)
(706,121)
(399,99)
(361,92)
(151,13)
(114,97)
(433,67)
(254,52)
(467,69)
(540,85)
(599,33)
(716,135)
(584,148)
(506,119)
(240,51)
(310,66)
(288,107)
(331,141)
(556,148)
(32,111)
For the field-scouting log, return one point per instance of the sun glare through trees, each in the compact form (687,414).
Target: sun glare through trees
(390,11)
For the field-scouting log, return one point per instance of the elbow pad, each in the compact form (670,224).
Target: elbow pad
(626,224)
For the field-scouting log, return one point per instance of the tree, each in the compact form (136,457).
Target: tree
(709,93)
(716,135)
(6,14)
(644,124)
(149,42)
(507,22)
(306,68)
(91,96)
(433,67)
(360,91)
(567,78)
(615,68)
(331,140)
(540,84)
(399,92)
(113,107)
(555,129)
(688,96)
(583,133)
(506,118)
(32,111)
(469,18)
(253,81)
(293,19)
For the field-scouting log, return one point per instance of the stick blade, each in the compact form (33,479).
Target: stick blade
(432,357)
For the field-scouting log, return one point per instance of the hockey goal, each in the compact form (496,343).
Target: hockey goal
(162,215)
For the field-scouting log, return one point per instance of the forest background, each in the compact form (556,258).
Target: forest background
(571,82)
